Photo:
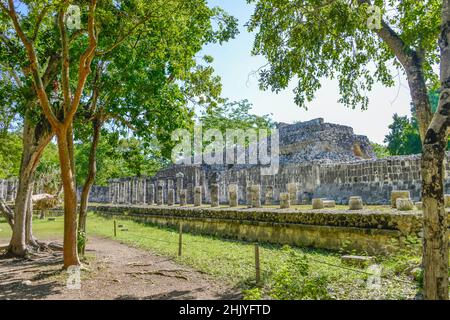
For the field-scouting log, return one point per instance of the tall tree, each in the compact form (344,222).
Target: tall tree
(23,101)
(148,82)
(313,39)
(77,50)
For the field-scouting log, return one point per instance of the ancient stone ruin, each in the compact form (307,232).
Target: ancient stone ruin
(317,160)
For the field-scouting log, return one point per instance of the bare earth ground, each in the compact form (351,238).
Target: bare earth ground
(115,271)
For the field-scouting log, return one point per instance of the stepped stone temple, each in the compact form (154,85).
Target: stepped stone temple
(317,160)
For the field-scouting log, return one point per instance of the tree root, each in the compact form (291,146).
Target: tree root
(160,273)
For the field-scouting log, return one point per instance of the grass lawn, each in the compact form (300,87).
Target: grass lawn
(233,262)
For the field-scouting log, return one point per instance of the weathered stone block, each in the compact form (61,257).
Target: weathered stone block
(317,204)
(256,196)
(285,202)
(395,194)
(404,204)
(197,196)
(355,203)
(233,195)
(214,195)
(292,190)
(268,196)
(357,261)
(329,203)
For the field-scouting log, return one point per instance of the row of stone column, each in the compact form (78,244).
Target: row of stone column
(8,190)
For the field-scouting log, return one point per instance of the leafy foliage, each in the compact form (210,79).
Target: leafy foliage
(10,155)
(305,41)
(295,281)
(404,137)
(380,150)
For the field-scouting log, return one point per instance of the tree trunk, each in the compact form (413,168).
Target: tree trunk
(70,253)
(435,244)
(7,213)
(35,139)
(97,124)
(29,237)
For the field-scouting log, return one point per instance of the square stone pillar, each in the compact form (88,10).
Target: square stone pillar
(233,195)
(151,194)
(170,197)
(292,189)
(197,196)
(256,195)
(268,196)
(179,185)
(183,198)
(214,195)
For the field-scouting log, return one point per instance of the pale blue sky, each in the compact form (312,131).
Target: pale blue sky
(234,63)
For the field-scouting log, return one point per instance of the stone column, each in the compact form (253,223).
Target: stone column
(144,191)
(284,201)
(233,195)
(292,190)
(183,198)
(151,194)
(197,196)
(256,195)
(248,195)
(179,185)
(214,195)
(170,197)
(160,195)
(268,196)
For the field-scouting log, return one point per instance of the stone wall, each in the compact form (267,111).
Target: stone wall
(98,194)
(372,232)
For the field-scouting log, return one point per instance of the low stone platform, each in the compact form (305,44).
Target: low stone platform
(374,232)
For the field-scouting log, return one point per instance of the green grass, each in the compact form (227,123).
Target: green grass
(233,262)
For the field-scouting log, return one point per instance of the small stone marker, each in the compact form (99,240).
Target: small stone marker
(355,203)
(256,196)
(329,203)
(183,198)
(170,197)
(357,261)
(395,194)
(419,205)
(317,204)
(404,204)
(214,195)
(285,202)
(447,200)
(233,195)
(197,196)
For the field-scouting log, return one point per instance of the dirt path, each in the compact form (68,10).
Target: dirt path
(116,271)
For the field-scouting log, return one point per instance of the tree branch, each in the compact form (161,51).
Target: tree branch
(34,66)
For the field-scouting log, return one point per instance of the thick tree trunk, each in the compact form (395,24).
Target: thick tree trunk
(97,124)
(435,244)
(70,253)
(35,139)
